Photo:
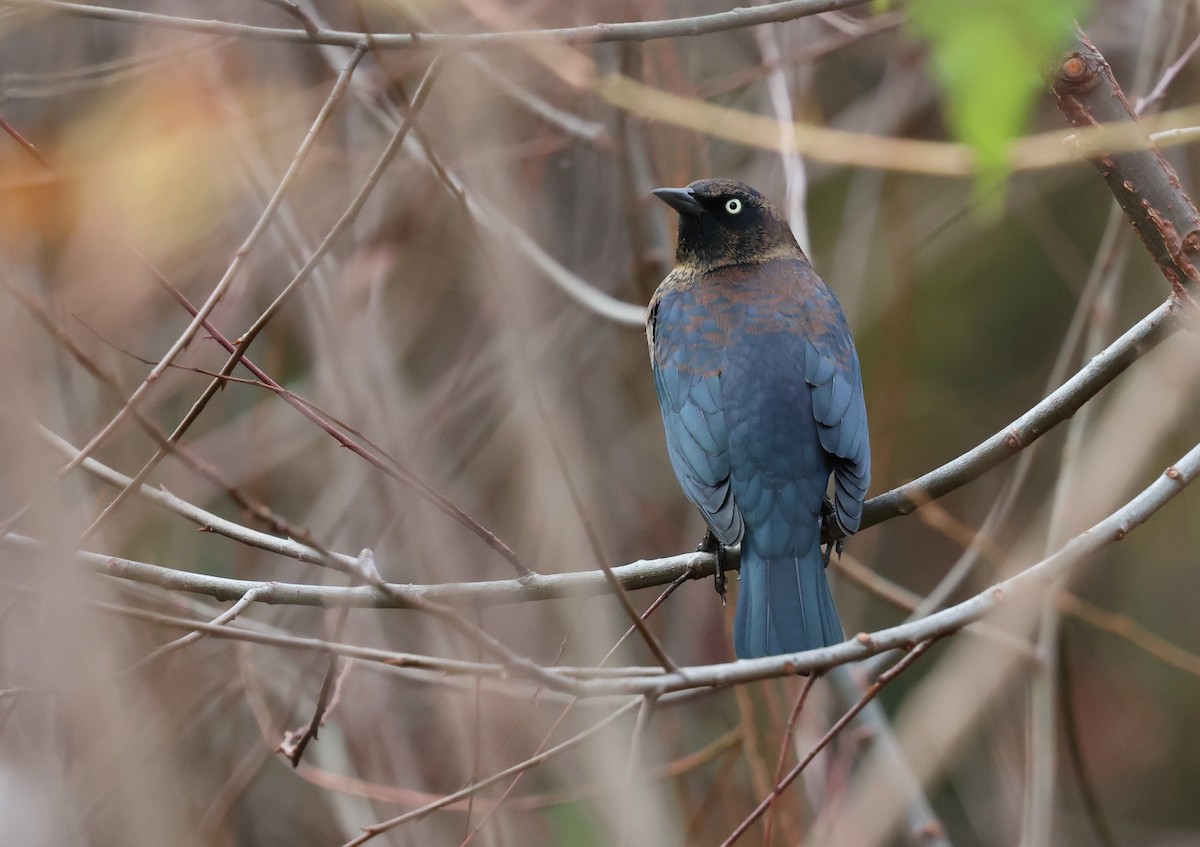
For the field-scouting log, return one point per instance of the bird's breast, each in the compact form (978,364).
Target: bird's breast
(709,311)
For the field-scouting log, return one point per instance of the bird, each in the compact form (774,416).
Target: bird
(762,401)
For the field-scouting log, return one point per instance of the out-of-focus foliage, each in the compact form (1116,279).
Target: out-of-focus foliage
(990,58)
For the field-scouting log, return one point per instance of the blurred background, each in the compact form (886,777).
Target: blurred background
(468,298)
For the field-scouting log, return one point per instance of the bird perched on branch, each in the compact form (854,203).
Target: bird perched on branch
(762,400)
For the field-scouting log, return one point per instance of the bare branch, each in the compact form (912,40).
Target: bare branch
(596,33)
(870,694)
(227,278)
(1111,529)
(593,583)
(380,828)
(196,634)
(1142,337)
(247,338)
(888,153)
(1145,185)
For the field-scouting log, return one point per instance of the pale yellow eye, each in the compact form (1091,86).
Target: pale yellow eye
(733,205)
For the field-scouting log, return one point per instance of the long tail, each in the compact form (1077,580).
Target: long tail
(784,606)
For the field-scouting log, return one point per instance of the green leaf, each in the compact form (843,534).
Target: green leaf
(989,57)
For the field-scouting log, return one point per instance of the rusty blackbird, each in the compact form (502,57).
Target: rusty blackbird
(762,400)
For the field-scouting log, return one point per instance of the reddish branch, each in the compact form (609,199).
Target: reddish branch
(884,678)
(1144,183)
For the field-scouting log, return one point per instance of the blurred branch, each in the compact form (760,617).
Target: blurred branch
(526,802)
(737,18)
(1071,738)
(374,456)
(200,315)
(485,214)
(382,827)
(1125,627)
(924,826)
(785,744)
(863,150)
(600,302)
(1164,82)
(259,510)
(227,279)
(870,694)
(347,218)
(633,767)
(196,634)
(508,789)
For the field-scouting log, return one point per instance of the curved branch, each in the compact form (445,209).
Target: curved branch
(1057,407)
(593,34)
(1054,409)
(1113,528)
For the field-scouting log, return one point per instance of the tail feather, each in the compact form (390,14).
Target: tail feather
(784,606)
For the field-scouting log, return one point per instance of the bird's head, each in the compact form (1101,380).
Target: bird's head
(724,222)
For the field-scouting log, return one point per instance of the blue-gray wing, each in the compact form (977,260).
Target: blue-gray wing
(831,368)
(697,435)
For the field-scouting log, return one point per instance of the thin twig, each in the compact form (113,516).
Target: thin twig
(194,636)
(260,511)
(870,694)
(784,746)
(294,745)
(596,33)
(1164,82)
(222,286)
(876,730)
(347,218)
(533,761)
(589,529)
(566,710)
(375,455)
(632,780)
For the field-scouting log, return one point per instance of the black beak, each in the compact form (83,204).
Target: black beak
(680,199)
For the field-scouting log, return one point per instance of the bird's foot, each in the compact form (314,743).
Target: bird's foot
(711,544)
(830,531)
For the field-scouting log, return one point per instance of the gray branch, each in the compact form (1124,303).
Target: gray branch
(592,34)
(1113,528)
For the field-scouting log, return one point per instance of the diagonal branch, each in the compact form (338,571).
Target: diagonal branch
(844,721)
(1145,185)
(1057,407)
(227,279)
(348,217)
